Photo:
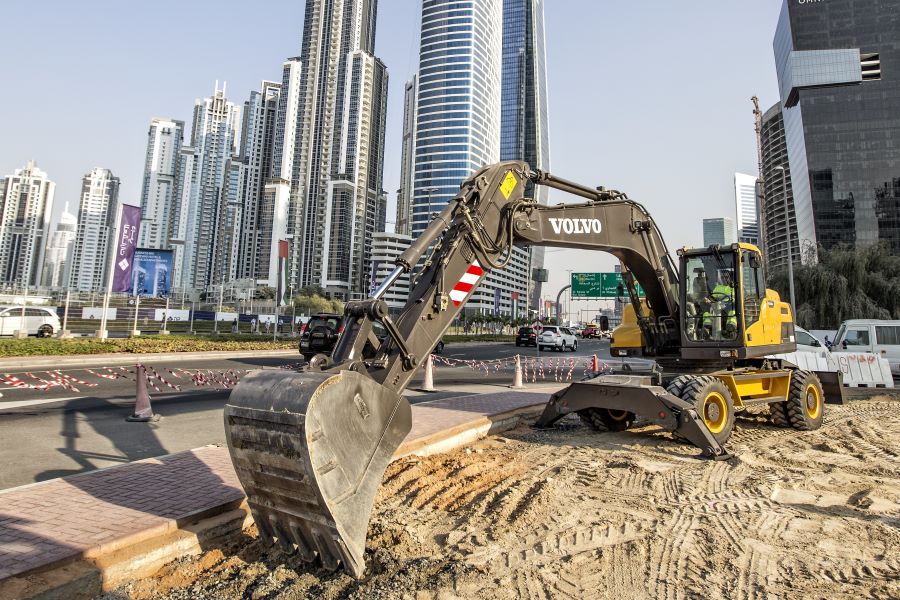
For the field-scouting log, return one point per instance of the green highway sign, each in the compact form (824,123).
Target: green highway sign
(598,285)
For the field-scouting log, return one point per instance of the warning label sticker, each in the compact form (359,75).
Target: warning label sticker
(508,185)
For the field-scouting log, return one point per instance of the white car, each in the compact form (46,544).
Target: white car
(871,336)
(807,342)
(557,338)
(39,321)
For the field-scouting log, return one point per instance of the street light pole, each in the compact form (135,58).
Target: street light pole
(787,229)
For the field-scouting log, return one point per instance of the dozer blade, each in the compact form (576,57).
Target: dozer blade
(310,450)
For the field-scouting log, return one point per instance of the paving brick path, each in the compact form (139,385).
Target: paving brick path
(53,521)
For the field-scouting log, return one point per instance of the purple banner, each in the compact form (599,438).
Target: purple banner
(124,247)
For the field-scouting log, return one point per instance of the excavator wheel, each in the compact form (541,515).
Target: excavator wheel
(607,419)
(310,450)
(778,414)
(713,403)
(805,405)
(676,388)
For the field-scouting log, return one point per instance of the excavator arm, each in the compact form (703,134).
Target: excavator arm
(310,447)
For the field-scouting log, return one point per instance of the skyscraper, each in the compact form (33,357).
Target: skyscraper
(745,200)
(403,224)
(96,222)
(202,169)
(26,203)
(253,239)
(336,180)
(524,119)
(481,97)
(777,207)
(840,94)
(58,258)
(457,110)
(164,141)
(272,223)
(718,231)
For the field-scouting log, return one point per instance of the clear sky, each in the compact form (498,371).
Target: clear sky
(649,97)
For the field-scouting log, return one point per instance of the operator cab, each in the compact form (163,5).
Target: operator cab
(725,300)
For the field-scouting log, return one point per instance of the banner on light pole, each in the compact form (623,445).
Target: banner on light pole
(123,248)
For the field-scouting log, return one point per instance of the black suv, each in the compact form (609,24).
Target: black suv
(320,334)
(526,337)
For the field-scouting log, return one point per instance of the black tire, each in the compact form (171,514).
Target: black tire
(714,404)
(45,331)
(604,419)
(805,405)
(676,386)
(778,414)
(518,343)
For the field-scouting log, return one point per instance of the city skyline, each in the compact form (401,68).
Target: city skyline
(580,150)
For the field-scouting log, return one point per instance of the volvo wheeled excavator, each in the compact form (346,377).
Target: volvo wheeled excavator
(310,447)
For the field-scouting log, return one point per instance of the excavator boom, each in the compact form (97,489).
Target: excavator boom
(310,447)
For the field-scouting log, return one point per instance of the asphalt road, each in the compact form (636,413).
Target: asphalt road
(58,432)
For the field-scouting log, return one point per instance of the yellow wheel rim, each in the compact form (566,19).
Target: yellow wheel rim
(812,401)
(715,412)
(617,415)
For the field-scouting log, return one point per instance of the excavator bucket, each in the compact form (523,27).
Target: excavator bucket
(310,450)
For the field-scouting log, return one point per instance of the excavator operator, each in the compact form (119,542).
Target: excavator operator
(722,305)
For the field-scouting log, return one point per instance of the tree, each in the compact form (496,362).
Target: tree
(266,293)
(843,284)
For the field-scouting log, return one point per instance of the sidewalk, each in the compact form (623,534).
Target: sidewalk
(98,529)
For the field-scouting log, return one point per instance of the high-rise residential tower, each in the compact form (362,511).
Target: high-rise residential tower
(251,240)
(273,222)
(96,224)
(58,258)
(837,64)
(201,187)
(777,206)
(336,181)
(524,119)
(26,203)
(164,141)
(746,205)
(403,225)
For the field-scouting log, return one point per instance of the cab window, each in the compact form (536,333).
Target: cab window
(857,337)
(754,288)
(710,308)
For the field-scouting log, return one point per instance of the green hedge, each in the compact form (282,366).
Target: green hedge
(141,345)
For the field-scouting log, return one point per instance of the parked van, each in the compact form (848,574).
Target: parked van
(872,336)
(39,321)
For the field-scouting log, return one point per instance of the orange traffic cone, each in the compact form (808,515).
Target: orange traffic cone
(143,412)
(595,365)
(517,378)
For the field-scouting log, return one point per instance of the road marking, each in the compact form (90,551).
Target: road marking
(23,403)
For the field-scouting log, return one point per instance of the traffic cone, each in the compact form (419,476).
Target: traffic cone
(428,383)
(143,412)
(517,378)
(595,365)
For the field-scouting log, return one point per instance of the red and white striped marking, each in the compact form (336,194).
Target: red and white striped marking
(466,283)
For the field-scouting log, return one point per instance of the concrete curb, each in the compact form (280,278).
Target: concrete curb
(141,554)
(127,358)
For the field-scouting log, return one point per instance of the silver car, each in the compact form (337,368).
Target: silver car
(557,338)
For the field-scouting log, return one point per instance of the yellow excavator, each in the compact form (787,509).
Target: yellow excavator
(310,447)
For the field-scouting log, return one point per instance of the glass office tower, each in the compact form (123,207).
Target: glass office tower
(838,73)
(524,122)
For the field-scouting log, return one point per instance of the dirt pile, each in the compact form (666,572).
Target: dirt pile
(573,513)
